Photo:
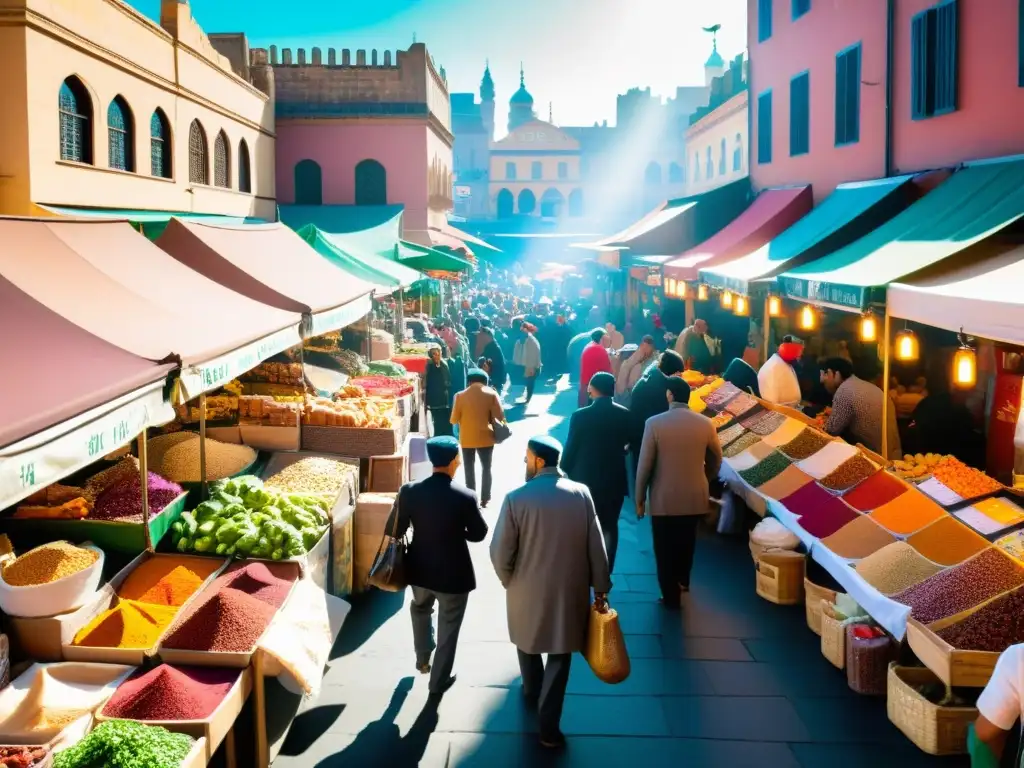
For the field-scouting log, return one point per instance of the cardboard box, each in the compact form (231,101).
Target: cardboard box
(387,474)
(342,530)
(372,511)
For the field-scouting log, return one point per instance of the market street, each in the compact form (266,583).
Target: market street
(734,682)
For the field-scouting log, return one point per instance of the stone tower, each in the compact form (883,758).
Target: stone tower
(715,65)
(487,102)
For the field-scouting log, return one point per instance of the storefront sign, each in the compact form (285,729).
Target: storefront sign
(42,459)
(333,319)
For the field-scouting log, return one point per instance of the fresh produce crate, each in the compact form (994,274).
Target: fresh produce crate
(351,441)
(387,473)
(780,577)
(934,729)
(195,489)
(813,596)
(954,667)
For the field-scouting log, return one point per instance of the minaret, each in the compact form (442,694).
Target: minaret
(715,65)
(487,102)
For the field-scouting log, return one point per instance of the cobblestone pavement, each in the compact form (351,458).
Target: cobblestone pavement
(732,681)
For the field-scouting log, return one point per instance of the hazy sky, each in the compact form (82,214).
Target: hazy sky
(577,54)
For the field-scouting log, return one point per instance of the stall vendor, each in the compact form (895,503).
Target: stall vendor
(692,346)
(777,378)
(857,408)
(999,710)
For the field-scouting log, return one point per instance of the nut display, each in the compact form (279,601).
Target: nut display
(805,445)
(916,466)
(896,567)
(738,446)
(993,627)
(364,413)
(848,474)
(313,474)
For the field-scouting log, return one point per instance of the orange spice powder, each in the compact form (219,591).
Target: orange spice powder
(947,541)
(907,513)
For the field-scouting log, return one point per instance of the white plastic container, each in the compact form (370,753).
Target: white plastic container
(61,596)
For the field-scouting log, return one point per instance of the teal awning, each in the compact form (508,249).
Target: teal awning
(368,228)
(972,204)
(151,223)
(386,273)
(850,211)
(430,259)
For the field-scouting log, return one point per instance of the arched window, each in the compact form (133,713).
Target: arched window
(198,164)
(527,201)
(120,138)
(221,161)
(709,170)
(721,160)
(737,154)
(371,183)
(244,171)
(653,174)
(675,174)
(75,110)
(309,187)
(159,145)
(506,204)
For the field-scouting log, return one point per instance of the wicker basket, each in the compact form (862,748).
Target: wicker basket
(934,729)
(813,596)
(780,577)
(352,441)
(833,634)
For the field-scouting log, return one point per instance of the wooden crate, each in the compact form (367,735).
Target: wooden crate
(387,473)
(813,595)
(954,667)
(934,729)
(780,577)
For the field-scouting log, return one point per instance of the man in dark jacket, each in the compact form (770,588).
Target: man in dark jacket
(438,384)
(491,351)
(649,399)
(595,454)
(444,516)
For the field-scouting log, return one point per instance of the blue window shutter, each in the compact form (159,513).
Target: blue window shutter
(764,128)
(935,61)
(947,45)
(764,20)
(799,114)
(800,7)
(853,95)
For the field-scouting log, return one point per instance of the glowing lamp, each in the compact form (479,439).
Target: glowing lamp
(726,299)
(965,368)
(774,306)
(741,307)
(702,293)
(807,319)
(869,328)
(670,286)
(907,348)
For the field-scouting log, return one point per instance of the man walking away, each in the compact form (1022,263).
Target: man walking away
(527,357)
(593,360)
(476,409)
(548,552)
(679,457)
(438,393)
(595,455)
(444,516)
(649,399)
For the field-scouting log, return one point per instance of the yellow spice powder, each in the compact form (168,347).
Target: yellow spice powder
(48,563)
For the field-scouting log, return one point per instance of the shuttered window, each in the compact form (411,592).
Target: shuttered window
(934,40)
(800,7)
(764,20)
(764,128)
(800,114)
(848,96)
(1020,43)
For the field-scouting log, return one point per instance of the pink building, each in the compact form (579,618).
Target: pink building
(820,85)
(365,132)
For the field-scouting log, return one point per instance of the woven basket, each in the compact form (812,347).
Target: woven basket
(780,577)
(833,634)
(934,729)
(352,441)
(813,596)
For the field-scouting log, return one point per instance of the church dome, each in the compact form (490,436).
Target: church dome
(715,59)
(522,96)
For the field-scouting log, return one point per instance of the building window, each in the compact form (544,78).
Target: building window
(198,165)
(371,183)
(510,171)
(221,161)
(75,110)
(563,170)
(709,165)
(244,171)
(800,114)
(933,56)
(309,184)
(764,20)
(676,174)
(722,159)
(652,174)
(800,7)
(848,96)
(696,166)
(159,145)
(764,128)
(120,147)
(737,154)
(536,171)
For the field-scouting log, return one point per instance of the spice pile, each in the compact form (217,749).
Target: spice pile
(717,398)
(896,567)
(731,433)
(965,481)
(771,466)
(740,444)
(791,480)
(821,514)
(123,501)
(755,453)
(906,514)
(47,564)
(129,624)
(876,491)
(313,474)
(167,580)
(993,627)
(947,541)
(126,744)
(848,474)
(171,693)
(22,757)
(957,589)
(52,720)
(787,431)
(764,422)
(176,457)
(829,458)
(805,445)
(858,538)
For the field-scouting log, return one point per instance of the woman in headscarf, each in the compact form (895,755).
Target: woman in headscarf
(777,379)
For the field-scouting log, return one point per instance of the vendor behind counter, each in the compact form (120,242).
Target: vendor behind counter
(857,408)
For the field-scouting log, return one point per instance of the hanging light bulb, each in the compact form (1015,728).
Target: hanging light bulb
(741,305)
(702,292)
(869,327)
(726,299)
(682,290)
(670,286)
(907,348)
(807,318)
(965,365)
(774,306)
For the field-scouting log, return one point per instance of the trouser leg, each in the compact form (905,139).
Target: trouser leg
(531,669)
(552,694)
(441,419)
(608,515)
(531,382)
(469,460)
(664,557)
(421,609)
(687,543)
(486,457)
(451,609)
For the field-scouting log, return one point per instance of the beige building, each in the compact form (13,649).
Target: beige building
(716,141)
(535,171)
(102,108)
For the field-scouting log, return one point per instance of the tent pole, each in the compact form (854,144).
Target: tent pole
(767,328)
(205,492)
(885,384)
(144,479)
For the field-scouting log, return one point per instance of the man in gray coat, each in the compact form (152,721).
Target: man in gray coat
(679,456)
(548,551)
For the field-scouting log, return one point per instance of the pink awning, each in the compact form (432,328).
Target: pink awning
(53,369)
(108,279)
(771,213)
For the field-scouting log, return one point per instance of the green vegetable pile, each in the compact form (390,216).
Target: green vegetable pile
(387,368)
(126,744)
(244,519)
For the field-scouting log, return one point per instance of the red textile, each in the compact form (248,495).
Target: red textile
(594,359)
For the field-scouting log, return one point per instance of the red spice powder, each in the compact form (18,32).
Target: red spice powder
(228,621)
(269,582)
(879,489)
(171,693)
(821,514)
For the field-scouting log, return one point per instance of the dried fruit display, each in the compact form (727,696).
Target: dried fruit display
(850,473)
(916,466)
(963,480)
(993,627)
(364,413)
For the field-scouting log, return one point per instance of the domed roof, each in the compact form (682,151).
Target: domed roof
(715,59)
(522,96)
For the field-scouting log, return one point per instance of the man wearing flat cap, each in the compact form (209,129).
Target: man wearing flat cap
(444,516)
(548,552)
(595,455)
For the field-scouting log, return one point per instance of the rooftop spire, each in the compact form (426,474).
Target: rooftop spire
(551,112)
(522,76)
(487,84)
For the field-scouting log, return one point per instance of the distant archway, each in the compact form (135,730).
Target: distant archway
(371,183)
(506,204)
(675,174)
(527,201)
(551,204)
(653,174)
(576,202)
(309,186)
